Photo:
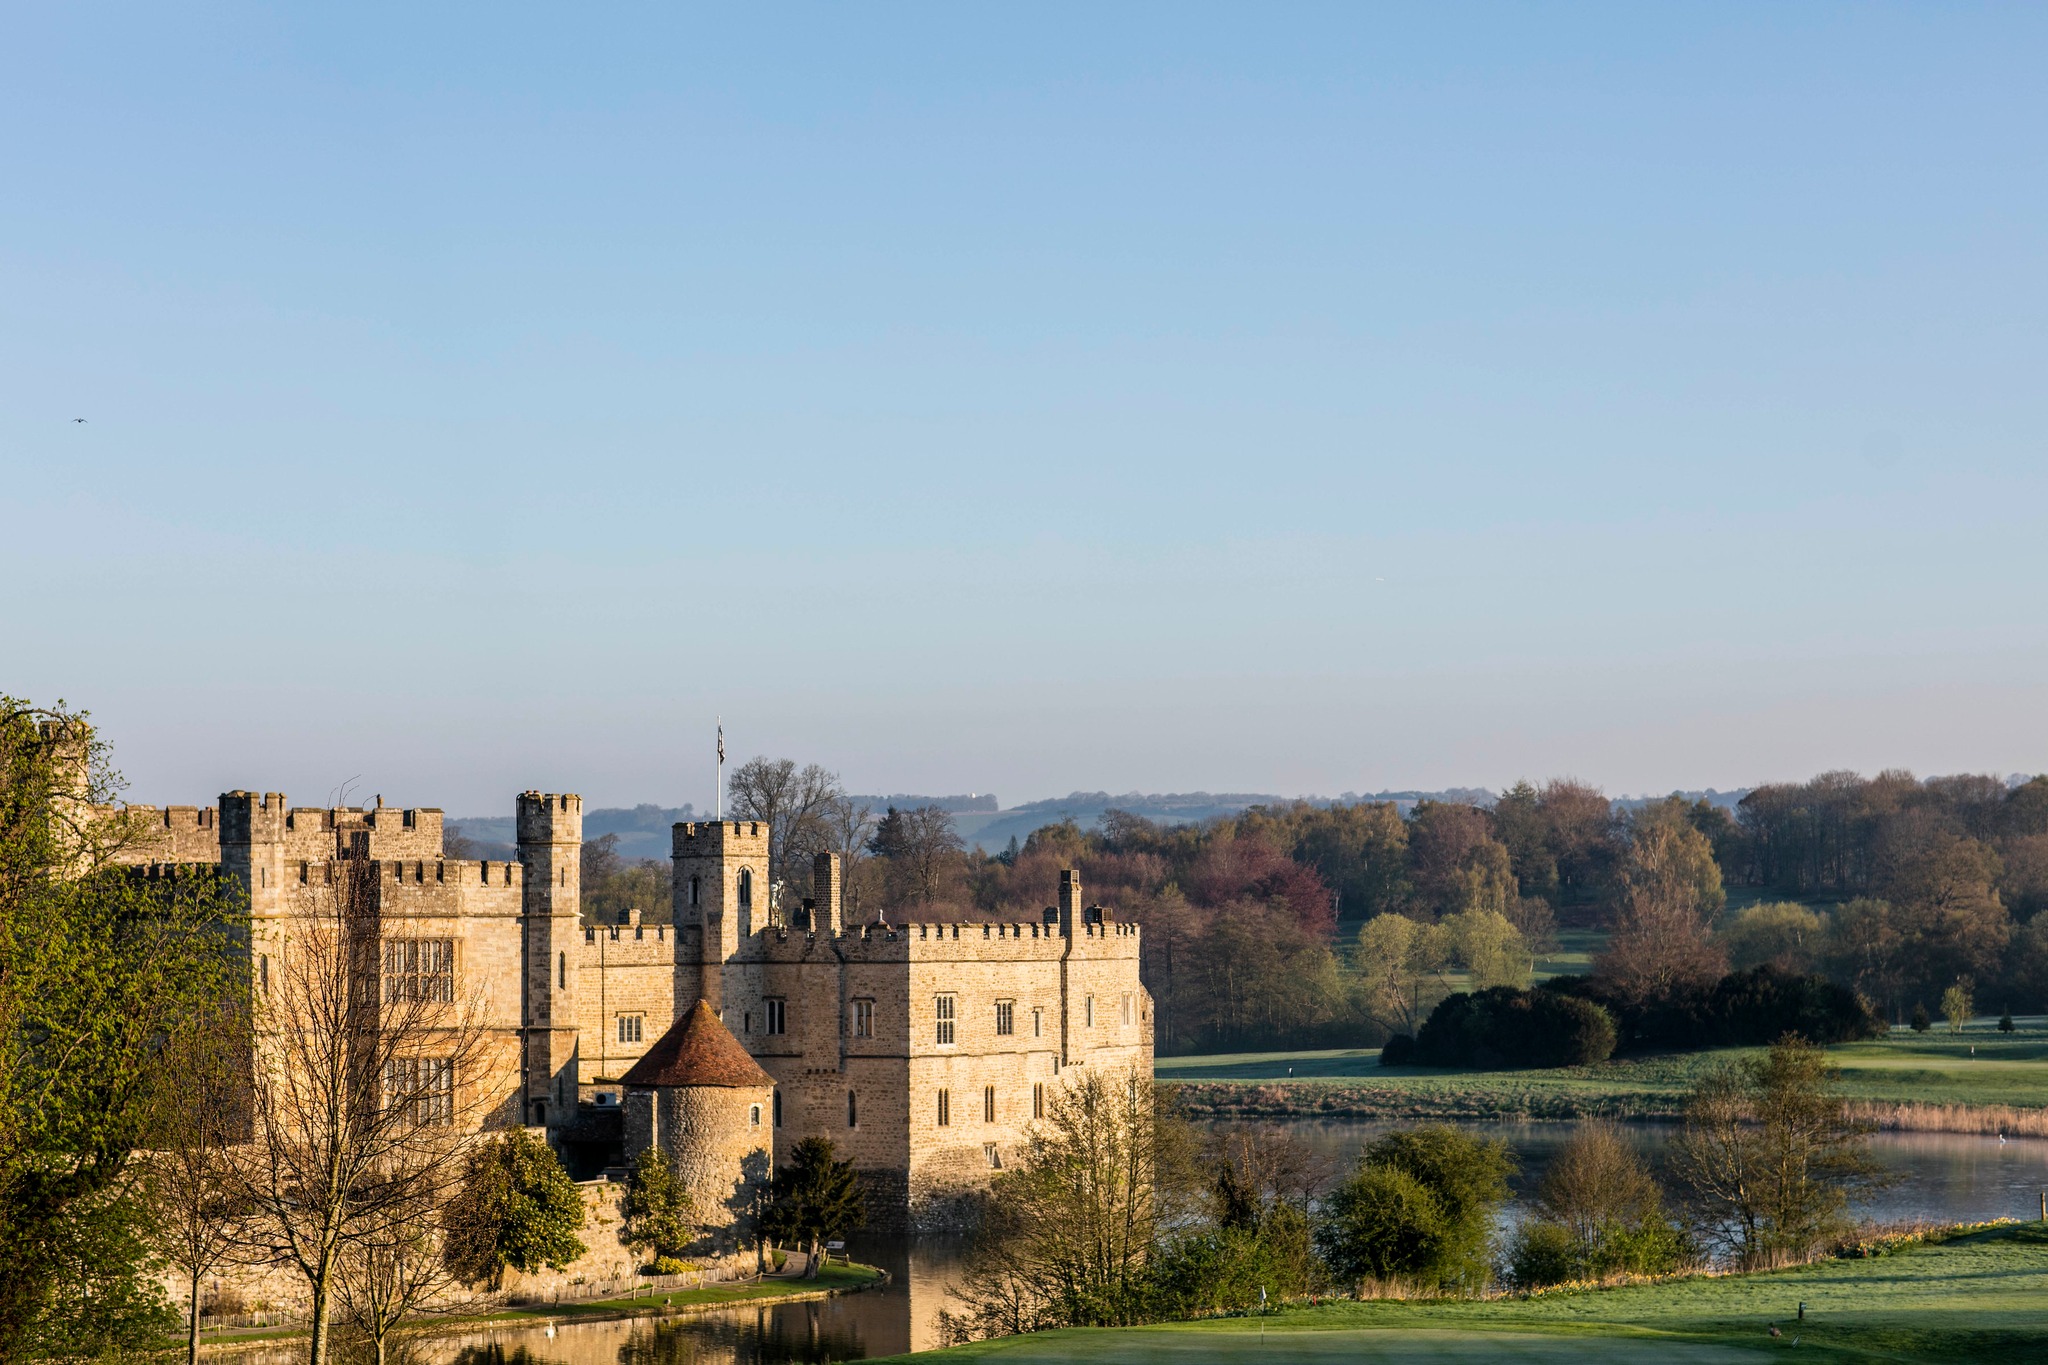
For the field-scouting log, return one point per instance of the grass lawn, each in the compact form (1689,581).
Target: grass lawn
(829,1277)
(1983,1297)
(1929,1068)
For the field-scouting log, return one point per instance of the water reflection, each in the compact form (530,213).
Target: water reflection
(1939,1176)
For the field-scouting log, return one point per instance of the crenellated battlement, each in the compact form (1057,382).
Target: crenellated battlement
(550,818)
(715,838)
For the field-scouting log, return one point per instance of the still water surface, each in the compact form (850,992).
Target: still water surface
(1938,1176)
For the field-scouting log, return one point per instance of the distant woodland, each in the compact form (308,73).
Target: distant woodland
(1339,924)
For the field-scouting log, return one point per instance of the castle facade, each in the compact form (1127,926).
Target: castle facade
(923,1050)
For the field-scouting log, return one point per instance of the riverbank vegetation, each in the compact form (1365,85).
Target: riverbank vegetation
(1093,1227)
(1966,1294)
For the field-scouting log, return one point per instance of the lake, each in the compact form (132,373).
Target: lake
(1937,1176)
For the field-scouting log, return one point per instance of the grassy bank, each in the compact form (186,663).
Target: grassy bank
(1982,1296)
(1977,1081)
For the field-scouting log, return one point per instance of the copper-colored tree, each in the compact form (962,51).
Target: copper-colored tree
(1671,896)
(371,1072)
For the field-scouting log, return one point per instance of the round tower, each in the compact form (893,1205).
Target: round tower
(699,1097)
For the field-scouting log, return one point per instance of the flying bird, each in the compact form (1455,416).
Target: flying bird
(78,419)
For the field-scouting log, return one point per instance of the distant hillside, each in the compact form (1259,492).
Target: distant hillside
(643,830)
(993,832)
(983,801)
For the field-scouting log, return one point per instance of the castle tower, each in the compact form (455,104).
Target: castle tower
(252,848)
(551,849)
(720,886)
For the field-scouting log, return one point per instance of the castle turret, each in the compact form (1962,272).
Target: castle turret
(252,848)
(551,850)
(699,1097)
(720,883)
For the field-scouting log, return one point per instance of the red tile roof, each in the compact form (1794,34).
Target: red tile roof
(697,1050)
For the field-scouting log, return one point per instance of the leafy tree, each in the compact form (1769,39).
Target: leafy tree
(1921,1022)
(1401,965)
(2005,1024)
(1769,1154)
(1783,934)
(98,965)
(1671,895)
(657,1206)
(1509,1027)
(1418,1207)
(1957,1006)
(517,1209)
(815,1199)
(1597,1212)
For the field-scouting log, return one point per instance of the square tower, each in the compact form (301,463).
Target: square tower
(551,848)
(720,884)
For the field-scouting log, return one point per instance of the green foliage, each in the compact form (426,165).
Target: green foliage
(1597,1213)
(1223,1269)
(814,1199)
(672,1265)
(1506,1027)
(2005,1024)
(1418,1207)
(97,966)
(517,1209)
(1956,1005)
(1921,1023)
(657,1206)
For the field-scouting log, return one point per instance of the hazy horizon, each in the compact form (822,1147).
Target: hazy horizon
(1043,399)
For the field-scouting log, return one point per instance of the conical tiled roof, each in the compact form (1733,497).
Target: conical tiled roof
(697,1050)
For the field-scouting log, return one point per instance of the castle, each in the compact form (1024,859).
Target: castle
(923,1050)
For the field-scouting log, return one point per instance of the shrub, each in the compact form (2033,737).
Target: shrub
(1921,1023)
(1398,1050)
(672,1265)
(1509,1027)
(1743,1009)
(517,1208)
(1597,1212)
(1419,1207)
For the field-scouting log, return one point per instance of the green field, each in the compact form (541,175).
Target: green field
(1982,1297)
(1906,1067)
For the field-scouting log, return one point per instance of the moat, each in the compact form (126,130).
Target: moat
(1937,1176)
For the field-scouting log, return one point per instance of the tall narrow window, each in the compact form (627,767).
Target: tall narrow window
(988,1104)
(693,891)
(1038,1023)
(778,1109)
(852,1110)
(863,1018)
(777,1015)
(1006,1018)
(263,972)
(1127,1006)
(992,1156)
(1088,1019)
(945,1108)
(1038,1099)
(746,888)
(943,1012)
(754,1115)
(562,969)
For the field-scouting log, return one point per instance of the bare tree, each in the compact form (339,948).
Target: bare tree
(371,1070)
(921,844)
(795,803)
(201,1114)
(388,1272)
(850,826)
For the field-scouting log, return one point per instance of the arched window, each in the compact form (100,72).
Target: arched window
(746,888)
(693,890)
(754,1116)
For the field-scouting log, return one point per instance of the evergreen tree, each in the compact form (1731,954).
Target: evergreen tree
(815,1199)
(657,1206)
(517,1208)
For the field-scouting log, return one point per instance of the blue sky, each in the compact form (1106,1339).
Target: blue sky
(1029,398)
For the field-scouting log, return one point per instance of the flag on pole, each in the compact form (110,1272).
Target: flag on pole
(721,743)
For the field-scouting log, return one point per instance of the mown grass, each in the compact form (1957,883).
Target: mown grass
(1934,1069)
(1983,1296)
